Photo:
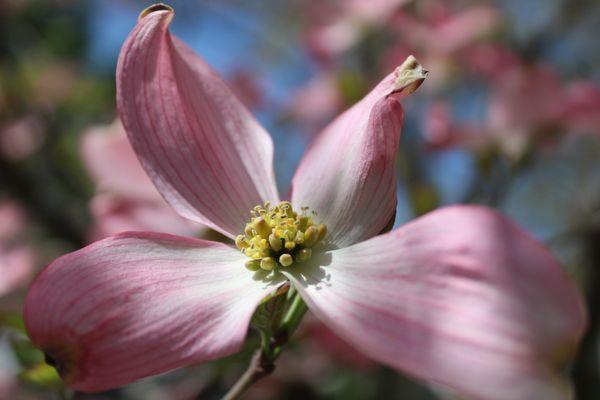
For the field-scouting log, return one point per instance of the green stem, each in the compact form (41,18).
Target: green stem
(294,316)
(265,344)
(262,363)
(260,366)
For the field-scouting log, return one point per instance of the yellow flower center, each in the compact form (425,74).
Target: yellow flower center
(278,236)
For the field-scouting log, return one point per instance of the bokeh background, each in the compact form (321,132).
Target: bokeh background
(509,117)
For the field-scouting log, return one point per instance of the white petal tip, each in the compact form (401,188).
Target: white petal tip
(409,76)
(154,8)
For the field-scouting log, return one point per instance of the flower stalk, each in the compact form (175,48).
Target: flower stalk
(262,363)
(294,315)
(260,366)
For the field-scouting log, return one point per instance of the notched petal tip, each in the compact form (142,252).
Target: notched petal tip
(409,76)
(154,8)
(64,360)
(167,94)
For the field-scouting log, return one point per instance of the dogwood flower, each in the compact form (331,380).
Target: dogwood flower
(460,297)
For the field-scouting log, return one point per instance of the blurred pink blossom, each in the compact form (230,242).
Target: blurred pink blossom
(439,35)
(20,138)
(126,199)
(16,267)
(525,99)
(334,27)
(532,102)
(13,219)
(582,106)
(490,61)
(316,102)
(244,84)
(441,32)
(527,102)
(441,131)
(17,258)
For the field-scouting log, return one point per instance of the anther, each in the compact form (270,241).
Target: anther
(286,260)
(241,242)
(268,263)
(275,242)
(302,222)
(261,227)
(303,255)
(311,236)
(252,265)
(322,232)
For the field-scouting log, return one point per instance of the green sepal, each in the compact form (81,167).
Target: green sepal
(42,375)
(268,314)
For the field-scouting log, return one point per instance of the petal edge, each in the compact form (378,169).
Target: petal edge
(207,155)
(348,174)
(138,304)
(460,297)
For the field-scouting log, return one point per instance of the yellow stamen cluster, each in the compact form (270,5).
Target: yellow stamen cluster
(277,236)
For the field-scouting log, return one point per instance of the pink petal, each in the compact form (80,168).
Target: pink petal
(206,154)
(138,304)
(460,297)
(348,175)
